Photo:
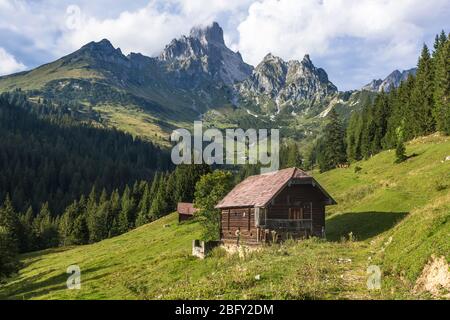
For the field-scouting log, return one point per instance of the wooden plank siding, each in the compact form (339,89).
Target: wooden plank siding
(307,198)
(242,219)
(303,201)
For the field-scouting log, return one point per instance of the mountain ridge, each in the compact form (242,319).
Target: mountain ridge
(393,80)
(196,76)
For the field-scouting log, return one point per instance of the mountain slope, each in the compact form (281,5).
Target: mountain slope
(191,76)
(195,77)
(153,262)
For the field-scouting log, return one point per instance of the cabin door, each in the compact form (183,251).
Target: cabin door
(295,213)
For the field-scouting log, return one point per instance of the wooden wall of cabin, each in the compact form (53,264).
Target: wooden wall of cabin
(184,217)
(297,196)
(242,219)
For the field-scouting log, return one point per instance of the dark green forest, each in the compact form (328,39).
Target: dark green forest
(48,156)
(66,182)
(418,107)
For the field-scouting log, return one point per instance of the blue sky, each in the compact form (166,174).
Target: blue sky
(353,40)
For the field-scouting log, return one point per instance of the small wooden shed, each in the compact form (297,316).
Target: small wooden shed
(272,207)
(185,211)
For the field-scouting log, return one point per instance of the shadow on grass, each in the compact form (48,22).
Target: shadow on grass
(41,284)
(363,225)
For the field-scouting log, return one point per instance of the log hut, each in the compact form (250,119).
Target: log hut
(274,207)
(185,211)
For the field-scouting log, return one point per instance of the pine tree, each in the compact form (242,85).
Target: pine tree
(27,238)
(45,229)
(91,212)
(159,206)
(144,207)
(98,219)
(400,151)
(422,121)
(66,225)
(293,156)
(126,215)
(8,251)
(334,145)
(80,232)
(10,221)
(113,218)
(9,241)
(441,111)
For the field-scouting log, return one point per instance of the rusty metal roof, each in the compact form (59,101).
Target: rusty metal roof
(258,191)
(186,208)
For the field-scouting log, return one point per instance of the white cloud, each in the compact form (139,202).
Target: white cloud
(146,30)
(352,39)
(8,64)
(386,30)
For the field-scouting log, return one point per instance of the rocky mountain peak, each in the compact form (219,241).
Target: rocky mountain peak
(212,33)
(203,54)
(307,61)
(103,46)
(287,83)
(96,53)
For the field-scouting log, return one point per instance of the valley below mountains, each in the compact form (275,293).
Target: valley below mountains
(195,77)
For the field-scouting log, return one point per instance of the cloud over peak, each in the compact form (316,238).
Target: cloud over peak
(354,40)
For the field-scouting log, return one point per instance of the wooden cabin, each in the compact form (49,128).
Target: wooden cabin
(273,207)
(185,211)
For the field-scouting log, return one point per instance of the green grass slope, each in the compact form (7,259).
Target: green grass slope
(398,216)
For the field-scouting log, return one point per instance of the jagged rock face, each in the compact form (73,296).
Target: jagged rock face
(392,81)
(203,54)
(198,72)
(293,83)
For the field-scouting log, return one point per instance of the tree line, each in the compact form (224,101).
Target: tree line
(97,216)
(48,155)
(419,106)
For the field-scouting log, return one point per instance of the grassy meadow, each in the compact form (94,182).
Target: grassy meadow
(392,216)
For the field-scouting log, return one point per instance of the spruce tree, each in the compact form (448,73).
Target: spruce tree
(9,228)
(441,111)
(80,232)
(126,215)
(27,239)
(8,252)
(45,229)
(334,145)
(159,205)
(143,216)
(115,209)
(400,151)
(9,241)
(421,119)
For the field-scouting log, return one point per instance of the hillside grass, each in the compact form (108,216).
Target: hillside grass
(392,215)
(39,77)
